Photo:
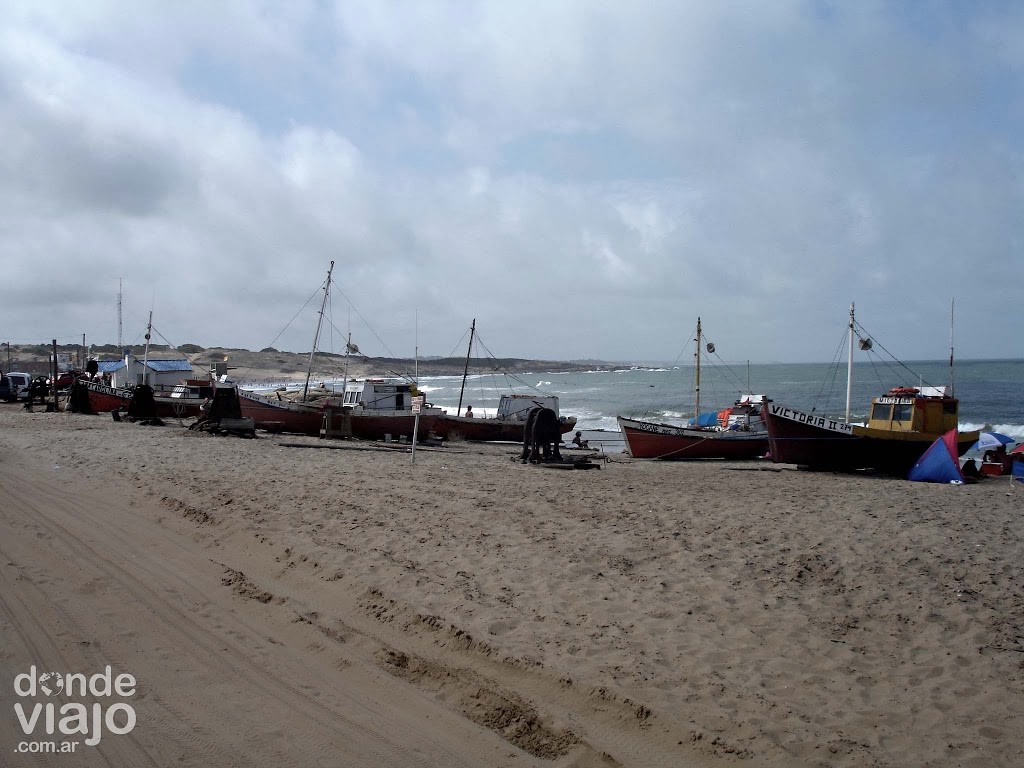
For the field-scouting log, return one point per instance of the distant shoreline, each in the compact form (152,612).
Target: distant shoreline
(272,363)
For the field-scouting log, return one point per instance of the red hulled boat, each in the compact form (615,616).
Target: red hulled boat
(182,401)
(509,422)
(506,425)
(735,433)
(278,415)
(741,435)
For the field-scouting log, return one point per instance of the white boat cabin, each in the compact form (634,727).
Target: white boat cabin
(192,389)
(379,395)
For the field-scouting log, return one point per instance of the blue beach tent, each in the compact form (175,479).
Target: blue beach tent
(940,463)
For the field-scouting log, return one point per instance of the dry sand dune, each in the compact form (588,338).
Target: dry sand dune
(318,606)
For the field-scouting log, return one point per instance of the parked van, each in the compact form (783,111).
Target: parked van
(8,389)
(17,388)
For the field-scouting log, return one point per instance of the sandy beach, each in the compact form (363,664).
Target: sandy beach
(289,601)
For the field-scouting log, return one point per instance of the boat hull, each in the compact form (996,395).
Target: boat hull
(650,440)
(796,437)
(104,399)
(489,430)
(281,415)
(179,407)
(392,426)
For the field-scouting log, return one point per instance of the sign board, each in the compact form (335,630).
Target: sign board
(417,403)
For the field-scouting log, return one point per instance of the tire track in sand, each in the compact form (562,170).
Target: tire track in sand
(162,578)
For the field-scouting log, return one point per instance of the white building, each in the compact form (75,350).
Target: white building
(156,373)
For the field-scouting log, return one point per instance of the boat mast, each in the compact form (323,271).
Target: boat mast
(145,354)
(849,367)
(316,338)
(349,349)
(344,380)
(696,359)
(465,371)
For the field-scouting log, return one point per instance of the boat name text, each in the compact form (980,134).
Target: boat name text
(811,420)
(645,427)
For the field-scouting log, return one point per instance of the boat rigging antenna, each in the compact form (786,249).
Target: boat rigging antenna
(952,383)
(120,290)
(316,338)
(849,367)
(465,371)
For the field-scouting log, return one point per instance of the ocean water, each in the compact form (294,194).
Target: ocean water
(991,392)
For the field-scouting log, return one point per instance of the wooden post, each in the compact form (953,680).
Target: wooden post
(417,405)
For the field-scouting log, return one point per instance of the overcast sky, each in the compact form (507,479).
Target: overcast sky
(583,178)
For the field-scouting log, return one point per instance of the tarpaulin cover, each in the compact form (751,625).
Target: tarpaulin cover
(706,420)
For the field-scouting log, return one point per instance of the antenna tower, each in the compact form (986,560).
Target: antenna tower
(120,341)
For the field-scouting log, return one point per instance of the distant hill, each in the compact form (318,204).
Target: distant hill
(270,363)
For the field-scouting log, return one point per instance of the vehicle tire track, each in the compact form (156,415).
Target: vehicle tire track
(23,616)
(76,529)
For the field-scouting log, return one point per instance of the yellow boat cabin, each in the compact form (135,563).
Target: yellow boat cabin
(928,410)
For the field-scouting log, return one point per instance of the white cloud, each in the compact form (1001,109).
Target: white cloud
(759,166)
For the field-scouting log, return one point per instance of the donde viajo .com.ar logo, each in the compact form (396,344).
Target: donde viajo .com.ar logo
(55,704)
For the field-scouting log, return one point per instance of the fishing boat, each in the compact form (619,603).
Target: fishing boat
(274,413)
(380,409)
(740,436)
(508,423)
(737,432)
(903,422)
(181,400)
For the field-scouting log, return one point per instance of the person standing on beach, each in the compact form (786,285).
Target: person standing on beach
(469,411)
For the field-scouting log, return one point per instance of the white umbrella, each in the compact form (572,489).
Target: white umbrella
(988,440)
